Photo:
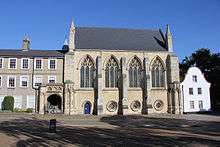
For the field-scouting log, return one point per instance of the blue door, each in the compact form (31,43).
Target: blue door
(87,108)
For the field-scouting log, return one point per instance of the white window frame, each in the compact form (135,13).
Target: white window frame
(24,76)
(2,63)
(52,76)
(29,98)
(17,101)
(194,78)
(200,104)
(200,91)
(34,80)
(49,64)
(23,62)
(9,61)
(192,91)
(1,81)
(193,104)
(35,64)
(8,81)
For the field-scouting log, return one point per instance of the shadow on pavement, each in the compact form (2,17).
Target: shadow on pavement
(130,131)
(190,126)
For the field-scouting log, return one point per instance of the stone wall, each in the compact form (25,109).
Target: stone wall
(23,93)
(129,95)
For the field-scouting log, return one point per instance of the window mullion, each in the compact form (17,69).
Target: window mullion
(159,78)
(88,76)
(84,76)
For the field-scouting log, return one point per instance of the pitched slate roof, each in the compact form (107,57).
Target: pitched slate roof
(31,53)
(101,38)
(118,39)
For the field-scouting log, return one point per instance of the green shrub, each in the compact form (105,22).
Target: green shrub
(16,110)
(19,110)
(8,103)
(29,110)
(6,111)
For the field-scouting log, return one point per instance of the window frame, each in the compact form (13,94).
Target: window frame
(199,91)
(9,63)
(200,104)
(48,65)
(194,78)
(24,76)
(1,81)
(1,67)
(87,73)
(190,91)
(22,62)
(135,73)
(192,103)
(158,74)
(112,73)
(34,80)
(11,76)
(51,76)
(35,63)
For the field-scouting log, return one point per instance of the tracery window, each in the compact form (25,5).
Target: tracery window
(87,73)
(135,73)
(111,73)
(158,74)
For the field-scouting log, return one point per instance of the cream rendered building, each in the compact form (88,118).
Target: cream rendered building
(113,71)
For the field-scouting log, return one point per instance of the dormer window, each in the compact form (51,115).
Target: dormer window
(12,63)
(194,78)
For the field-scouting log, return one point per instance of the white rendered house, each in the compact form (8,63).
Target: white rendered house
(195,91)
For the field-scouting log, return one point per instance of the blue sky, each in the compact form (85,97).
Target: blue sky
(194,23)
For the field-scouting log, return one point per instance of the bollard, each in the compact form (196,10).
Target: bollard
(52,125)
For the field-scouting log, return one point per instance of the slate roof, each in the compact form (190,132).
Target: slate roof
(31,53)
(118,39)
(101,38)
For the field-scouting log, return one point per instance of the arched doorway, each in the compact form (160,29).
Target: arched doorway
(54,103)
(87,108)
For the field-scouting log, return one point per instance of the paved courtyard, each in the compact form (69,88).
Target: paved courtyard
(136,130)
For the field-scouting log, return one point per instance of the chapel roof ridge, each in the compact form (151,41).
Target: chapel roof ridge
(116,28)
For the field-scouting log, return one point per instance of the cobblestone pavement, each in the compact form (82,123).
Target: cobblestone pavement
(134,130)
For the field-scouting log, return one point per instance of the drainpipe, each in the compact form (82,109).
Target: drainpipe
(69,90)
(35,90)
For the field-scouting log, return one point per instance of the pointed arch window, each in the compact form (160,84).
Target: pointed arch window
(87,71)
(158,74)
(111,73)
(135,73)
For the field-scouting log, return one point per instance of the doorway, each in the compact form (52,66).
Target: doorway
(54,103)
(87,108)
